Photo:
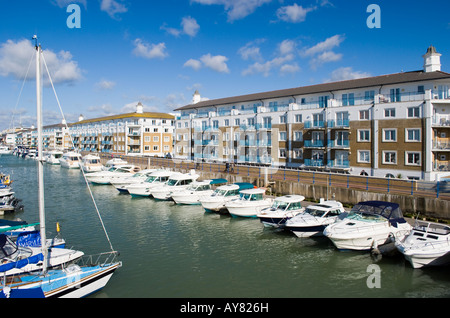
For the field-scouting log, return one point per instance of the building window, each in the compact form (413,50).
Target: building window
(282,153)
(412,158)
(412,134)
(395,95)
(186,125)
(389,135)
(227,122)
(147,138)
(298,153)
(237,122)
(155,138)
(166,139)
(283,119)
(369,95)
(364,114)
(413,112)
(298,118)
(420,89)
(251,121)
(323,101)
(389,112)
(348,99)
(282,136)
(215,124)
(363,135)
(389,157)
(298,136)
(155,148)
(364,156)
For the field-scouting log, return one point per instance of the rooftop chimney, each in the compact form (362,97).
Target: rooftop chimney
(139,108)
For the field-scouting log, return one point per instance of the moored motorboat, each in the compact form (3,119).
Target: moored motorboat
(91,163)
(113,174)
(369,224)
(282,209)
(176,182)
(216,201)
(195,191)
(70,160)
(114,162)
(139,177)
(428,244)
(156,179)
(316,218)
(250,203)
(53,157)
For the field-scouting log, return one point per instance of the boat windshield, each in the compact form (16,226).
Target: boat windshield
(315,212)
(151,179)
(281,205)
(172,182)
(251,196)
(364,216)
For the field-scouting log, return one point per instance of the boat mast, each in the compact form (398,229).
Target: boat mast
(40,157)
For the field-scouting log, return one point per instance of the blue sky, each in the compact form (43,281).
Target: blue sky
(160,52)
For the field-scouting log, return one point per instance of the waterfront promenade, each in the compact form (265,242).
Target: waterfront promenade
(428,199)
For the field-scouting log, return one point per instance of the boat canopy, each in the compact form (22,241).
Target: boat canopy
(218,181)
(388,210)
(29,239)
(244,185)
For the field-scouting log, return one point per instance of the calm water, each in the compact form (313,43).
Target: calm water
(176,251)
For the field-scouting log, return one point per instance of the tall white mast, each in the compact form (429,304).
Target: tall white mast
(40,157)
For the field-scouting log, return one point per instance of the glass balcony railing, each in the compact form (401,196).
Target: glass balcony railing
(314,124)
(338,163)
(314,143)
(313,162)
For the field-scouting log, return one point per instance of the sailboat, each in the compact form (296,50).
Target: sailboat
(75,280)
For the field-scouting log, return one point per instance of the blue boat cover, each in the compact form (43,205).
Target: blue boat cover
(217,181)
(29,239)
(244,185)
(388,210)
(23,293)
(19,264)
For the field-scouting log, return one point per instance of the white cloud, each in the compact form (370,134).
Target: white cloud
(236,9)
(189,26)
(216,63)
(15,58)
(149,51)
(325,57)
(346,73)
(251,50)
(293,13)
(266,67)
(195,64)
(326,45)
(65,3)
(113,7)
(105,84)
(286,47)
(289,69)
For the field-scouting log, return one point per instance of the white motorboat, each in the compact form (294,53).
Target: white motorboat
(91,163)
(316,218)
(216,201)
(195,191)
(70,160)
(53,157)
(428,244)
(114,162)
(369,224)
(31,154)
(139,177)
(250,203)
(4,150)
(156,179)
(113,174)
(282,209)
(176,182)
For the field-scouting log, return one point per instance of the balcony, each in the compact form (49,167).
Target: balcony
(441,145)
(338,163)
(316,124)
(340,123)
(313,162)
(441,121)
(344,143)
(314,144)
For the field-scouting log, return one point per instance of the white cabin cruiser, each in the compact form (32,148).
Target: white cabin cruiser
(368,225)
(250,203)
(53,157)
(70,160)
(316,218)
(428,244)
(138,177)
(114,162)
(113,174)
(4,150)
(195,191)
(91,163)
(156,179)
(176,182)
(216,201)
(282,209)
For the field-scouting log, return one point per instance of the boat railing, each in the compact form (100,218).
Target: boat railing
(98,259)
(428,245)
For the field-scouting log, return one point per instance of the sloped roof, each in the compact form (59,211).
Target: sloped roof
(397,78)
(127,115)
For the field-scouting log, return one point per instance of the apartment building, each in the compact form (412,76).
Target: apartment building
(138,133)
(395,125)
